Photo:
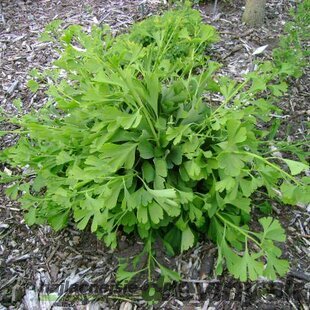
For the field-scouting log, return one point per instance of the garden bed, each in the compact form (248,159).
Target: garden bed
(76,264)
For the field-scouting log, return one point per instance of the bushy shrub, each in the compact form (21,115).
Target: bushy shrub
(131,141)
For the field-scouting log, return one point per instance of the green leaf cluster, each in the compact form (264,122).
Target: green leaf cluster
(293,53)
(131,141)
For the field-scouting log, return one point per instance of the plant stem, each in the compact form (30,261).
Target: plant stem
(229,98)
(242,231)
(267,163)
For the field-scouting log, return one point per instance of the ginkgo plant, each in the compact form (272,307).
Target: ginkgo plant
(131,141)
(293,53)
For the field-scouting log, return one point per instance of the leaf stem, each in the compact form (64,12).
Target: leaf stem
(229,98)
(242,231)
(267,163)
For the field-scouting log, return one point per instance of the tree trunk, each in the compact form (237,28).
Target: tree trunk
(254,12)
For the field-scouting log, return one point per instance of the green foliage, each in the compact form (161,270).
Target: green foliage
(292,55)
(131,142)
